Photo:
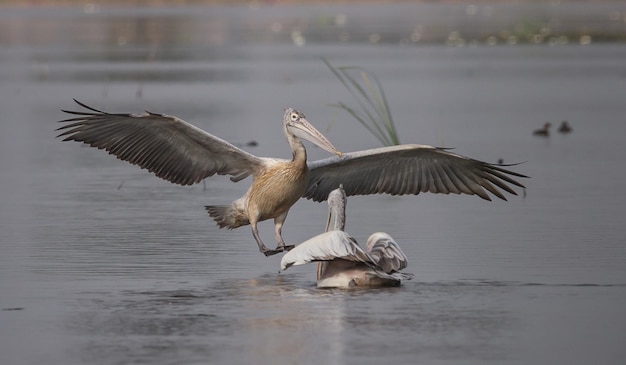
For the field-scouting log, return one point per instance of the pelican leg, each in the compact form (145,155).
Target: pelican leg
(264,250)
(278,233)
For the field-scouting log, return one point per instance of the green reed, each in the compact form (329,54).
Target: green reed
(373,112)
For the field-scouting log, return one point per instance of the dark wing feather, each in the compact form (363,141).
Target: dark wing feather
(408,169)
(167,146)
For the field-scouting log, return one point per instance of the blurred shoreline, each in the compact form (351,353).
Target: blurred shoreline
(451,23)
(166,3)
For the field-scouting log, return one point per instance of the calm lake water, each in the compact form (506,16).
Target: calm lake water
(102,263)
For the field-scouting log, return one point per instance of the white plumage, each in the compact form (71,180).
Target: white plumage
(342,262)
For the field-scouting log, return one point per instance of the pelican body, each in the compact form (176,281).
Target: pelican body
(275,187)
(341,261)
(181,153)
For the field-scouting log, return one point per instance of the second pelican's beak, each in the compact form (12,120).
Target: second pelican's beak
(305,130)
(336,209)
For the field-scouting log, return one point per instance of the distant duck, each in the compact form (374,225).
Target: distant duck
(565,127)
(543,132)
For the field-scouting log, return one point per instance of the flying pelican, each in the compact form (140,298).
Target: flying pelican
(341,261)
(183,154)
(543,132)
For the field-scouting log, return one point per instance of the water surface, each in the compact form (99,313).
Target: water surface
(103,263)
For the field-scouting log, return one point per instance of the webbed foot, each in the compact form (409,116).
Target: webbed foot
(269,253)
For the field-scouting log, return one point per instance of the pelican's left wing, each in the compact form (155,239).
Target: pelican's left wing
(408,169)
(327,246)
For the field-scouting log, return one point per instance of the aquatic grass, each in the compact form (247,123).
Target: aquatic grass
(374,113)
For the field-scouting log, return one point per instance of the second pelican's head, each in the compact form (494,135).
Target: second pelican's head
(296,124)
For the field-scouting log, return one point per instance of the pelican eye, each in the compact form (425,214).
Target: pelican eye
(294,117)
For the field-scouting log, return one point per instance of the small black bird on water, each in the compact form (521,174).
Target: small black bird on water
(565,127)
(543,132)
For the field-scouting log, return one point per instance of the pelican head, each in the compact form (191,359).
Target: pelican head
(296,125)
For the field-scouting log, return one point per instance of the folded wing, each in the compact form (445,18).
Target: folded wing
(328,246)
(385,252)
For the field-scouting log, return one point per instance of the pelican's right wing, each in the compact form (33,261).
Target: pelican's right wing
(165,145)
(385,252)
(327,246)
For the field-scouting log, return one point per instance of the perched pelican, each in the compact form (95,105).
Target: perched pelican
(341,261)
(543,132)
(565,127)
(181,153)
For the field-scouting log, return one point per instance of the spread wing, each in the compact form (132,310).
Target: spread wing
(167,146)
(385,252)
(408,169)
